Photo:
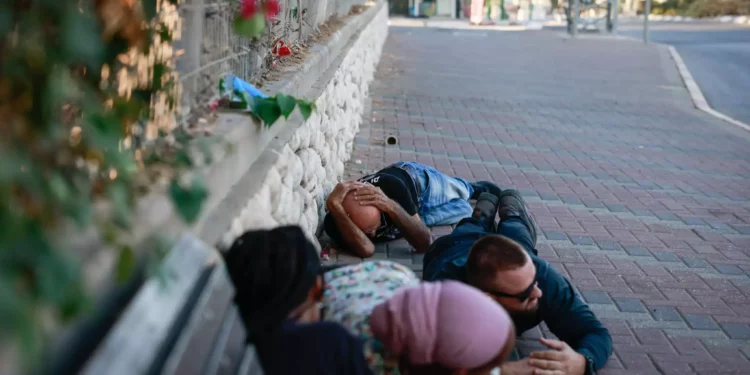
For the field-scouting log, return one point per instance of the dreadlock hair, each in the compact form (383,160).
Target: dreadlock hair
(273,272)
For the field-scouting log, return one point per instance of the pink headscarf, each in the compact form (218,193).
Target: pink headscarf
(446,323)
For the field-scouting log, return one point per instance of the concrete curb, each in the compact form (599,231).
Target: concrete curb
(462,25)
(696,95)
(739,20)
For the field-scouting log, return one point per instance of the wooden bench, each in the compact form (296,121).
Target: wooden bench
(182,321)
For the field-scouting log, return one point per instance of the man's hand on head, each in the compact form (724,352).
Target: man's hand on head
(336,198)
(562,360)
(369,195)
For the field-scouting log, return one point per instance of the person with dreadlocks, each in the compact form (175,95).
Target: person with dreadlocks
(278,283)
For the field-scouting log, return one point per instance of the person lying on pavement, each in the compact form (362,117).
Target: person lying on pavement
(501,260)
(401,200)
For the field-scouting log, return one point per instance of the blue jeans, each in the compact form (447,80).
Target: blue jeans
(446,258)
(443,199)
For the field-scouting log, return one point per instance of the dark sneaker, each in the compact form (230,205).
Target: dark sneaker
(513,205)
(486,210)
(485,187)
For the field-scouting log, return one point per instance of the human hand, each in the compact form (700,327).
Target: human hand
(339,193)
(563,360)
(521,367)
(370,195)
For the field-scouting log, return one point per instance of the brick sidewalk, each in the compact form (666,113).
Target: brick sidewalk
(642,201)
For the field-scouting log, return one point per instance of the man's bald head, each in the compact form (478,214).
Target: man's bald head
(366,218)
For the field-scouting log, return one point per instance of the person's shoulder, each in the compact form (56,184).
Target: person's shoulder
(541,265)
(546,275)
(323,328)
(323,348)
(324,336)
(317,331)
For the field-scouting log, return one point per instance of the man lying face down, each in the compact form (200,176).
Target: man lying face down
(401,200)
(500,259)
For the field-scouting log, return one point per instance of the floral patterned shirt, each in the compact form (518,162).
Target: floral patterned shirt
(352,292)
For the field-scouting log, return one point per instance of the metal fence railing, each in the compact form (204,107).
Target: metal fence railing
(210,49)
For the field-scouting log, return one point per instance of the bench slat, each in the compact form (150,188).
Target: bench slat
(200,337)
(228,357)
(139,337)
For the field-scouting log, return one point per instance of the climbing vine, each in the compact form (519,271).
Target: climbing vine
(87,99)
(86,91)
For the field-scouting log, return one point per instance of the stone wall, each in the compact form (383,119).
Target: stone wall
(272,176)
(311,162)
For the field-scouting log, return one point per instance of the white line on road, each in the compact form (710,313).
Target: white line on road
(696,95)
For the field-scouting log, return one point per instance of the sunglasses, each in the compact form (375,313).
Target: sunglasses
(523,296)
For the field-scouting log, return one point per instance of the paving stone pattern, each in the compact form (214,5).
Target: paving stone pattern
(642,201)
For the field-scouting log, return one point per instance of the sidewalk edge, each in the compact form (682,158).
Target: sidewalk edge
(696,94)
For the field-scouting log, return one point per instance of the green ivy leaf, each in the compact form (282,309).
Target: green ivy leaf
(165,34)
(79,210)
(118,194)
(149,8)
(81,37)
(57,276)
(128,108)
(109,233)
(243,102)
(250,28)
(305,108)
(156,82)
(115,47)
(125,264)
(58,187)
(204,145)
(252,102)
(188,200)
(6,18)
(286,104)
(14,308)
(182,158)
(75,302)
(268,110)
(103,130)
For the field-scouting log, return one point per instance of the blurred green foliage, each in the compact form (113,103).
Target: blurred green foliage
(62,153)
(73,152)
(702,8)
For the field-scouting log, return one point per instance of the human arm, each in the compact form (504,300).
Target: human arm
(343,230)
(411,226)
(573,322)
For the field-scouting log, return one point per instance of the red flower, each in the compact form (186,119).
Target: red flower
(248,8)
(272,8)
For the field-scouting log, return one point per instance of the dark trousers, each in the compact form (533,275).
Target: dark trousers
(514,228)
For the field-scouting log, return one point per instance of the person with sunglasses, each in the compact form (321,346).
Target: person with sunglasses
(500,259)
(401,200)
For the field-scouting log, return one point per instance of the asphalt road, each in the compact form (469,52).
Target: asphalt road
(718,57)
